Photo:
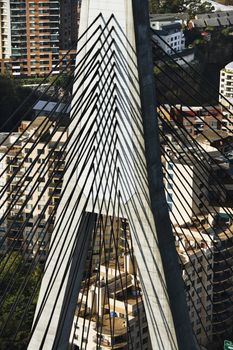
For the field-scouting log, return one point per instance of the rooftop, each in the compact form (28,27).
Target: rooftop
(229,65)
(46,106)
(118,323)
(211,135)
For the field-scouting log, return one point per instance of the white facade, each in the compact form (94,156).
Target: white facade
(226,82)
(28,184)
(228,112)
(186,190)
(5,29)
(171,32)
(195,253)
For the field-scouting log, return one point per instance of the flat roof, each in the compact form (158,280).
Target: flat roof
(47,106)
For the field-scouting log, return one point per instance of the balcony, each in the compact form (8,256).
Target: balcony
(223,307)
(222,287)
(223,317)
(114,343)
(107,323)
(221,266)
(220,277)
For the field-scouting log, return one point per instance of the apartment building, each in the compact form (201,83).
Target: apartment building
(196,260)
(226,82)
(33,36)
(200,203)
(226,94)
(106,237)
(33,172)
(170,31)
(186,187)
(206,253)
(223,278)
(5,30)
(69,23)
(117,321)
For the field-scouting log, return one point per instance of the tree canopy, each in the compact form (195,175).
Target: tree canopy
(15,329)
(192,7)
(11,97)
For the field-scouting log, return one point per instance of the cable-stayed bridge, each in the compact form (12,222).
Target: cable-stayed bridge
(88,249)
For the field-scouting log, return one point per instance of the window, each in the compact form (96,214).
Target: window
(170,166)
(169,197)
(170,177)
(169,186)
(170,206)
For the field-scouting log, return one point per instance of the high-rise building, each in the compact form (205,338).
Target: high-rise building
(226,93)
(34,35)
(70,14)
(226,82)
(195,252)
(5,37)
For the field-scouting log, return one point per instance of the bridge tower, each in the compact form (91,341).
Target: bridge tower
(122,122)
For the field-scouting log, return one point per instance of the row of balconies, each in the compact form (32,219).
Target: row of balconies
(223,307)
(221,328)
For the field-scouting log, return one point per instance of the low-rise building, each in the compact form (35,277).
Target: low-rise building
(170,31)
(195,119)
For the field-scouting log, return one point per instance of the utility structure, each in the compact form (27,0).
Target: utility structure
(120,168)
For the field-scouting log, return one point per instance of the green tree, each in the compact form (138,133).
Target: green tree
(11,97)
(172,6)
(154,6)
(15,333)
(197,6)
(192,7)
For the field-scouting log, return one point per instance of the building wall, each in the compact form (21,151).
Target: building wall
(198,278)
(5,30)
(174,39)
(70,14)
(185,197)
(34,36)
(226,82)
(26,175)
(128,308)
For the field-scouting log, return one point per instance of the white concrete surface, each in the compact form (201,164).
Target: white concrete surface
(135,200)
